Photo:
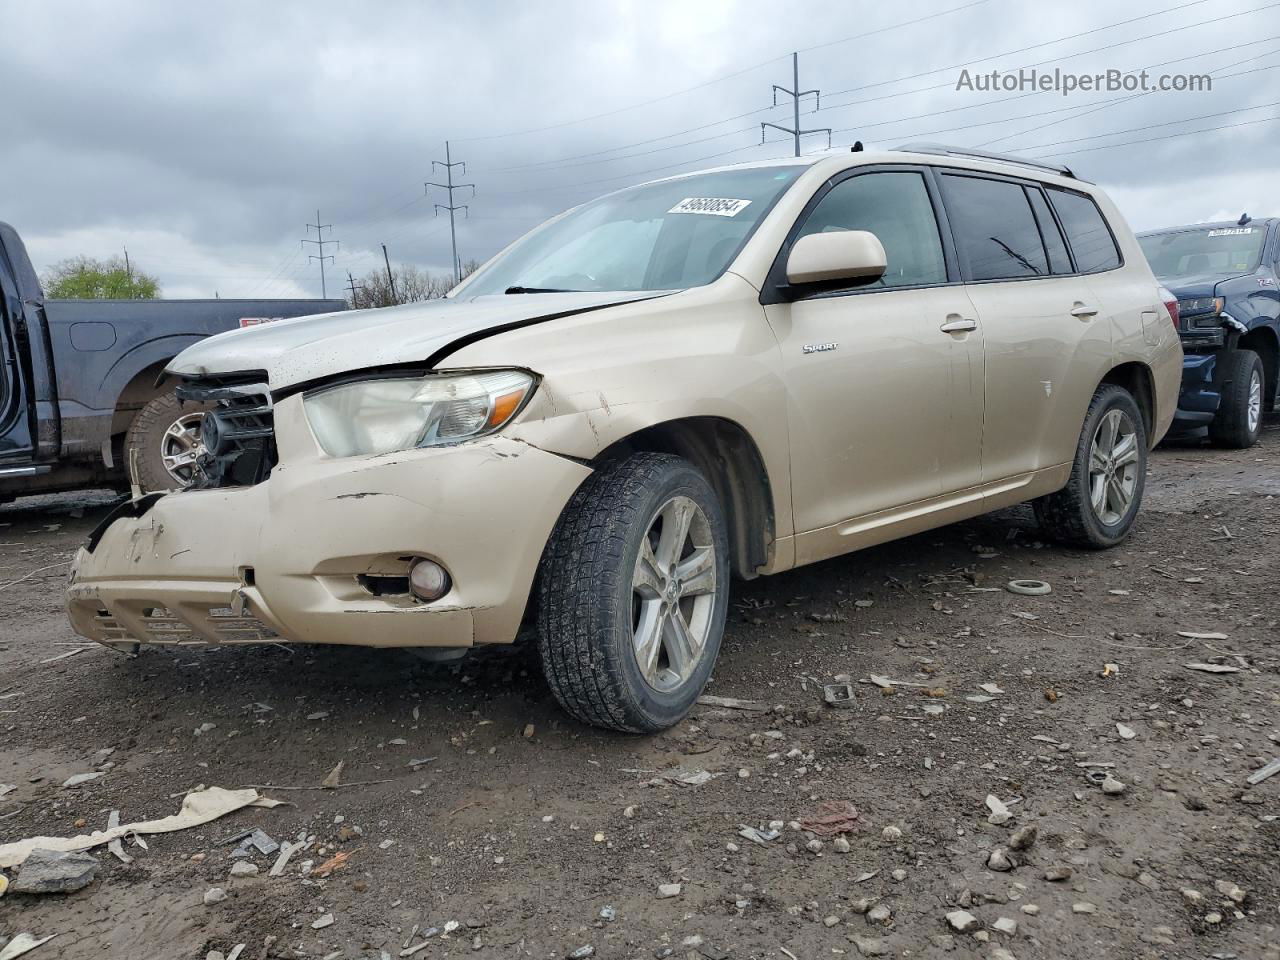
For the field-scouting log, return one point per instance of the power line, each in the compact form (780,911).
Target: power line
(719,79)
(449,163)
(1171,136)
(796,94)
(320,243)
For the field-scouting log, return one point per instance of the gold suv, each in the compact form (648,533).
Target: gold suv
(728,373)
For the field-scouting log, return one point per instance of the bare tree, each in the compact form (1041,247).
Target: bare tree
(412,284)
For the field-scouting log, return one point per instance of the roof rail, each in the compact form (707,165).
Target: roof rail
(941,149)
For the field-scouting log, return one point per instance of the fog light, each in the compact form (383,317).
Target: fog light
(428,580)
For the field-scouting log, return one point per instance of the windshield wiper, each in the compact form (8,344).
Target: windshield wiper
(539,290)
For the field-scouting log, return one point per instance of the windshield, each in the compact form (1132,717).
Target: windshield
(659,236)
(1211,250)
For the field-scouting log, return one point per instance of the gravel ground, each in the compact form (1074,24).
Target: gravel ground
(528,835)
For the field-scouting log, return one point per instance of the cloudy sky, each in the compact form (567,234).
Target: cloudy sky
(204,137)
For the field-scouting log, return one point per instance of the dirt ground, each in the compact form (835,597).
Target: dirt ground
(529,835)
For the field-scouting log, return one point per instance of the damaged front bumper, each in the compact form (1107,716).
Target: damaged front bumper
(1199,397)
(318,552)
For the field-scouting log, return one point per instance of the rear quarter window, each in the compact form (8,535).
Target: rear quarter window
(1091,240)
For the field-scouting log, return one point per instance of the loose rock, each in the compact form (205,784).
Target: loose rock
(54,871)
(668,890)
(214,895)
(962,921)
(1023,838)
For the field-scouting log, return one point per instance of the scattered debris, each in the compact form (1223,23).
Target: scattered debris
(1000,813)
(1270,770)
(1211,667)
(199,806)
(838,694)
(334,779)
(80,778)
(1191,635)
(762,837)
(115,847)
(833,818)
(69,653)
(1109,670)
(336,862)
(733,703)
(287,850)
(322,921)
(690,778)
(257,839)
(214,895)
(1000,861)
(22,944)
(244,868)
(1029,588)
(669,890)
(1126,733)
(991,688)
(1023,838)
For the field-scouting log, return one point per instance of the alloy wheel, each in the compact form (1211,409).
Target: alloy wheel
(673,594)
(1254,409)
(181,446)
(1113,467)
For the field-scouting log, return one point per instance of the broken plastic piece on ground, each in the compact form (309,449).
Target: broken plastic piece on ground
(336,862)
(833,818)
(334,779)
(1000,813)
(198,807)
(762,837)
(732,703)
(838,694)
(22,944)
(1211,667)
(1192,635)
(1029,588)
(257,839)
(1270,770)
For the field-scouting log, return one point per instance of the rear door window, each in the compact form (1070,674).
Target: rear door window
(1091,241)
(1055,246)
(995,231)
(895,206)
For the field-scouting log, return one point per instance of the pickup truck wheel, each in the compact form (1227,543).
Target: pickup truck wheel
(163,442)
(634,588)
(1097,507)
(1239,419)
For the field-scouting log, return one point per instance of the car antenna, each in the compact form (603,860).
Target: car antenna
(857,147)
(1244,218)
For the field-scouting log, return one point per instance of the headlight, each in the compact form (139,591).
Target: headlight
(1189,308)
(381,416)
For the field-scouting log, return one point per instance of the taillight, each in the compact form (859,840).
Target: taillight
(1170,304)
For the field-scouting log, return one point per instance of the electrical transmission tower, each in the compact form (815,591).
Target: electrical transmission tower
(321,243)
(795,93)
(449,163)
(352,285)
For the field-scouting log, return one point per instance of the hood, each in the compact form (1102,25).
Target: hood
(1199,285)
(303,349)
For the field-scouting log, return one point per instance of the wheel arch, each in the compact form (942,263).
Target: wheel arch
(1136,377)
(731,461)
(1264,342)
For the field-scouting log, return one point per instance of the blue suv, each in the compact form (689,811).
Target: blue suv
(1226,278)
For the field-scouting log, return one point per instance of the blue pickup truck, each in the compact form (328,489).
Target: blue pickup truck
(80,402)
(1226,278)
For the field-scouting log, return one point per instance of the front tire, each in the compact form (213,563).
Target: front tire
(634,589)
(1239,419)
(163,443)
(1097,507)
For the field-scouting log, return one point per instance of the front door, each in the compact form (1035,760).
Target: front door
(884,382)
(15,427)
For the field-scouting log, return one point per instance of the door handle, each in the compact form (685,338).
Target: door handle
(1083,311)
(959,326)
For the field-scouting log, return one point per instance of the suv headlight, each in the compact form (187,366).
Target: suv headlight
(398,413)
(1200,305)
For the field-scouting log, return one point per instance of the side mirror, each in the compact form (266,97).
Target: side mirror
(848,255)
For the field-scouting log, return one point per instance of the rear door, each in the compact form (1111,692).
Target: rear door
(1045,332)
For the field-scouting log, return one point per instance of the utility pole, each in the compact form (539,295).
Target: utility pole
(391,278)
(795,93)
(449,163)
(128,270)
(321,243)
(352,286)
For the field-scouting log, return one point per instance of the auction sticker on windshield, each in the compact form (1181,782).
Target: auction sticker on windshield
(714,206)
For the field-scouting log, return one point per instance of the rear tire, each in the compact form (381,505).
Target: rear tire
(633,592)
(1097,507)
(162,443)
(1239,420)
